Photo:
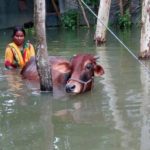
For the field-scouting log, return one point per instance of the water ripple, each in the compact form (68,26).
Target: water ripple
(8,106)
(9,103)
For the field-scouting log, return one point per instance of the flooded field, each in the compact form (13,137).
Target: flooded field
(115,115)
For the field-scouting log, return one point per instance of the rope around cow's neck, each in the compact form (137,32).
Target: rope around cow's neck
(134,56)
(84,83)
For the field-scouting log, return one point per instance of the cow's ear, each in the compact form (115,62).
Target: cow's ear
(63,67)
(98,70)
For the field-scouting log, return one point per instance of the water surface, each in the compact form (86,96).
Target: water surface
(115,115)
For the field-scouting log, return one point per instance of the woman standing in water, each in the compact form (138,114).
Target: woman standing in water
(18,52)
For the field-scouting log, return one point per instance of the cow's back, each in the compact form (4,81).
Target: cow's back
(30,72)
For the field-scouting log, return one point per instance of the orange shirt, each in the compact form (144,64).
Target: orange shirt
(14,58)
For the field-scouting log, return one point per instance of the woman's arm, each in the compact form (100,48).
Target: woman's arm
(9,58)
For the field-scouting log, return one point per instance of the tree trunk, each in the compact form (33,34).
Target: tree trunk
(56,8)
(102,21)
(121,7)
(84,13)
(145,31)
(43,67)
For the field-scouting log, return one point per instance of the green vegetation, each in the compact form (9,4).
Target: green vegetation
(69,19)
(92,2)
(124,21)
(30,31)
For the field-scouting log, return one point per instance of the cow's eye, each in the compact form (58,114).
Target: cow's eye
(89,66)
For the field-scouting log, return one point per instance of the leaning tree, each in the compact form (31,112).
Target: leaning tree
(43,67)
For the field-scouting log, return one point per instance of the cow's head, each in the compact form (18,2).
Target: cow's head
(84,68)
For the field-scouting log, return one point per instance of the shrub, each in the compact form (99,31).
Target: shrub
(124,21)
(69,19)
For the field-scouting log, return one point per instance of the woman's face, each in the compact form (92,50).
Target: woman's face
(19,38)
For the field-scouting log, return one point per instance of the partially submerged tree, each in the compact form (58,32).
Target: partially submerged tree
(145,31)
(102,21)
(42,54)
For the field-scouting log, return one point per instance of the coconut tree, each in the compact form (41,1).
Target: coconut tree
(145,31)
(102,21)
(42,54)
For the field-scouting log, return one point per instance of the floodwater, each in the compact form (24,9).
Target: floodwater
(115,115)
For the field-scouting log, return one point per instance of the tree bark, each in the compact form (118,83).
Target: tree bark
(83,12)
(121,7)
(102,21)
(145,31)
(56,8)
(43,67)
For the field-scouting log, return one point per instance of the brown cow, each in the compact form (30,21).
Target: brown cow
(60,70)
(77,75)
(84,68)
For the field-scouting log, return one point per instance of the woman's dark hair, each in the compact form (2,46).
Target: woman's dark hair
(18,28)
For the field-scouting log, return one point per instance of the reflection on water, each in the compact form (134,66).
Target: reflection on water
(115,115)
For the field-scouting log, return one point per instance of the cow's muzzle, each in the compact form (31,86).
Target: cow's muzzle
(70,86)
